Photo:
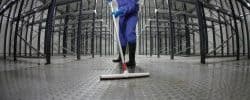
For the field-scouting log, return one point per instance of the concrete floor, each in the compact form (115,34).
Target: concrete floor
(181,79)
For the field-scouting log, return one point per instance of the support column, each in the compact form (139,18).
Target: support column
(65,32)
(187,33)
(1,22)
(171,30)
(6,33)
(16,30)
(48,31)
(39,34)
(93,32)
(31,29)
(202,30)
(93,37)
(214,38)
(78,35)
(221,34)
(236,31)
(247,31)
(11,28)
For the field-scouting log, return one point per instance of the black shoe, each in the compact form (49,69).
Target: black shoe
(132,49)
(131,63)
(119,57)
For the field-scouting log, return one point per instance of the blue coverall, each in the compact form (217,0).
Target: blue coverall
(128,21)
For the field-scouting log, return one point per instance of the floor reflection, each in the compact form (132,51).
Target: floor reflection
(170,80)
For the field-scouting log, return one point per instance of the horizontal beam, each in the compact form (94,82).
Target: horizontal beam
(154,26)
(208,6)
(83,21)
(45,6)
(175,21)
(191,15)
(74,14)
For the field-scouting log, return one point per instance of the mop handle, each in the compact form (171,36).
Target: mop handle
(117,35)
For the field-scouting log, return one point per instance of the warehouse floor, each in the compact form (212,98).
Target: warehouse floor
(181,79)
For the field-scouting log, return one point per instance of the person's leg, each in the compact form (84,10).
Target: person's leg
(131,37)
(122,37)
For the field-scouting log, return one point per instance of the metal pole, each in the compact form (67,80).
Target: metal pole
(202,30)
(48,31)
(144,29)
(65,31)
(93,32)
(92,36)
(150,33)
(16,30)
(194,44)
(26,36)
(73,38)
(32,28)
(101,32)
(236,31)
(157,28)
(221,34)
(139,32)
(11,28)
(78,35)
(39,35)
(86,40)
(227,36)
(100,45)
(214,38)
(166,40)
(232,33)
(6,32)
(187,33)
(171,30)
(247,31)
(205,31)
(242,29)
(1,23)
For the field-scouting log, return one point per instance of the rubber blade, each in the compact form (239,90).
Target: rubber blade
(124,76)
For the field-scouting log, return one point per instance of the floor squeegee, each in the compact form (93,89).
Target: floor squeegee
(125,74)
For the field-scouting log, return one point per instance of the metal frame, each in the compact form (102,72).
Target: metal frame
(166,27)
(227,39)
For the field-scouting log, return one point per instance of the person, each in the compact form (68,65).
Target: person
(128,18)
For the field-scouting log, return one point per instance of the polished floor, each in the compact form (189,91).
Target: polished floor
(181,79)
